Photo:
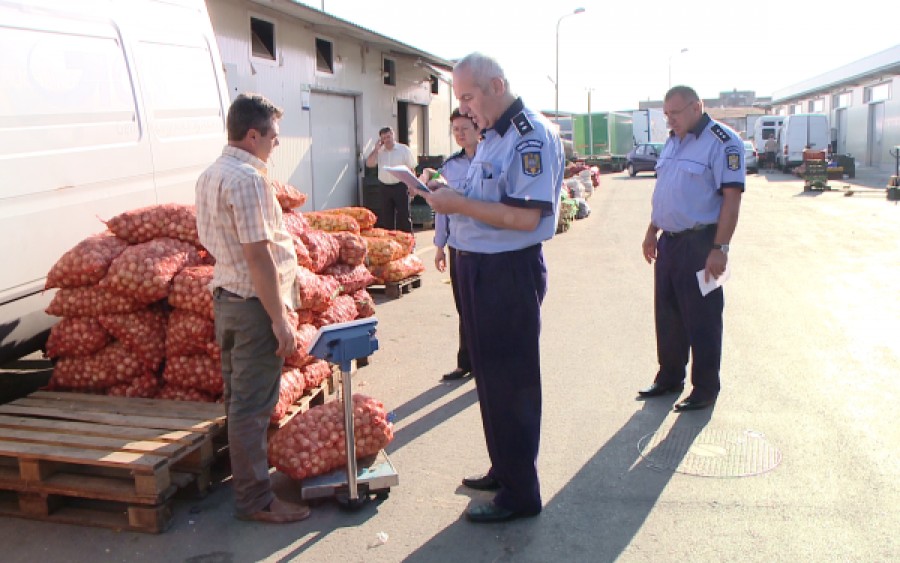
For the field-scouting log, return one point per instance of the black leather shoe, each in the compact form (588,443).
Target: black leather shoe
(481,483)
(657,390)
(486,513)
(690,404)
(455,374)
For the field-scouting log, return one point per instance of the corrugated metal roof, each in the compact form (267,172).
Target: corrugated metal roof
(885,62)
(330,25)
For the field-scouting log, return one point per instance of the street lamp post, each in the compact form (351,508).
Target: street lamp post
(556,82)
(683,50)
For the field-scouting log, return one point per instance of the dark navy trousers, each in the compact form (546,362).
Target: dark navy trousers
(462,355)
(687,324)
(500,305)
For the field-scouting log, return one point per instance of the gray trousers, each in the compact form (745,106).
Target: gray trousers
(252,374)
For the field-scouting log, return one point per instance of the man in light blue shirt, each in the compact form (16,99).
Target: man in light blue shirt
(509,206)
(700,179)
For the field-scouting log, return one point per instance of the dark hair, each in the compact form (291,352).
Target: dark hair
(456,115)
(686,93)
(384,130)
(251,111)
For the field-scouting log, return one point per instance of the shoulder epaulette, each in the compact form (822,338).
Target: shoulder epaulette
(720,133)
(457,154)
(522,123)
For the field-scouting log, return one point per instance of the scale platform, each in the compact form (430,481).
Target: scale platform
(375,475)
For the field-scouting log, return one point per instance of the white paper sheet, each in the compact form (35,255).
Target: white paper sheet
(713,283)
(407,176)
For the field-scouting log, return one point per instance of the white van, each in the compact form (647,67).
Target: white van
(766,127)
(105,106)
(798,132)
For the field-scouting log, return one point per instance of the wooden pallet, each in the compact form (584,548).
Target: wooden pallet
(396,289)
(103,461)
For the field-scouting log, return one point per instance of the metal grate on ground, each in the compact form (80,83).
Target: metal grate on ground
(709,452)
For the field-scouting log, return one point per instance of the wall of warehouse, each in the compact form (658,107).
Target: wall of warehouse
(293,83)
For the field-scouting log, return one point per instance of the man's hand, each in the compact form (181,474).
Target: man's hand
(284,334)
(715,264)
(443,201)
(649,247)
(440,259)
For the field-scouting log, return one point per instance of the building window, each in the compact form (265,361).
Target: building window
(878,93)
(389,72)
(435,85)
(816,106)
(262,38)
(324,56)
(841,100)
(795,109)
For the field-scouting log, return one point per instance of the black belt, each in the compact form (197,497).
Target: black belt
(469,253)
(691,231)
(219,292)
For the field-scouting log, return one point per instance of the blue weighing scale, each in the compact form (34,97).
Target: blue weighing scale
(341,343)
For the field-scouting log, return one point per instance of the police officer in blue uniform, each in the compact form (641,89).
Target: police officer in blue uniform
(696,201)
(509,206)
(454,170)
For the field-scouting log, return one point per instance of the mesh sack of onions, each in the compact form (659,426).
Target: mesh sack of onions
(404,239)
(303,334)
(382,250)
(342,309)
(174,393)
(364,217)
(188,334)
(312,443)
(291,388)
(90,301)
(142,332)
(77,336)
(295,223)
(331,222)
(351,278)
(144,387)
(190,290)
(303,258)
(353,248)
(324,249)
(199,371)
(288,196)
(365,305)
(315,372)
(397,270)
(170,220)
(112,365)
(314,292)
(145,271)
(86,263)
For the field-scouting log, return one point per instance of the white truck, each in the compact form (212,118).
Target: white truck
(766,127)
(649,126)
(106,106)
(799,132)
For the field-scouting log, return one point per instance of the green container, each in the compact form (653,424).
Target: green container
(603,133)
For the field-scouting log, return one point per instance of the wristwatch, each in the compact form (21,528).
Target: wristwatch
(722,247)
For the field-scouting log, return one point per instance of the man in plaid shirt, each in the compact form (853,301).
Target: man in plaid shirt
(240,223)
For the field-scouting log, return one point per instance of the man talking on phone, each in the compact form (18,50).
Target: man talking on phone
(395,213)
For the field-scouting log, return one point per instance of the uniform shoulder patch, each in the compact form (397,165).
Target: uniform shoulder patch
(529,144)
(733,158)
(522,123)
(719,132)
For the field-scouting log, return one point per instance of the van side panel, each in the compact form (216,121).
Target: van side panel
(106,106)
(800,131)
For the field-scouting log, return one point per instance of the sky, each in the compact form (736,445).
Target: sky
(616,54)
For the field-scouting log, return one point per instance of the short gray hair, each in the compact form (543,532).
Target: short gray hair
(686,93)
(483,68)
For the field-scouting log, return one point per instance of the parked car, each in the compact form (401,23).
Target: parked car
(751,158)
(642,158)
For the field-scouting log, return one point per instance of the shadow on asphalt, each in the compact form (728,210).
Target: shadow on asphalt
(433,419)
(600,510)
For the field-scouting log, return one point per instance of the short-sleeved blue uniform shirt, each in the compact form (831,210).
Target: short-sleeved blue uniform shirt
(454,170)
(519,163)
(691,173)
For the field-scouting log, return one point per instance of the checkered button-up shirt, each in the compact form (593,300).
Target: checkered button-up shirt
(236,205)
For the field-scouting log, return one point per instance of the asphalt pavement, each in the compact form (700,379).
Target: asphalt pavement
(798,460)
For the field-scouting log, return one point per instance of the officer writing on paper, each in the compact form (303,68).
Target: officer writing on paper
(506,208)
(696,201)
